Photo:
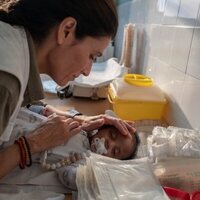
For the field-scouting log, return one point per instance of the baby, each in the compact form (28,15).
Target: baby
(106,141)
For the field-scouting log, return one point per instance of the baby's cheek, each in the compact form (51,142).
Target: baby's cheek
(105,154)
(108,154)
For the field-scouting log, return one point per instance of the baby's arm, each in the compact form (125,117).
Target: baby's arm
(36,108)
(45,110)
(67,174)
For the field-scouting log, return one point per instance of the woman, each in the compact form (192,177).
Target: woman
(60,38)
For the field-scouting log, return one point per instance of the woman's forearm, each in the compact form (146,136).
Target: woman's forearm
(54,132)
(9,159)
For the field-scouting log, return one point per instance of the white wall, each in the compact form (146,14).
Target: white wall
(168,51)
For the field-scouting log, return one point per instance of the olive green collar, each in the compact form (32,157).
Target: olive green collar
(34,90)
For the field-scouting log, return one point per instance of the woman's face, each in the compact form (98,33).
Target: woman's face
(74,57)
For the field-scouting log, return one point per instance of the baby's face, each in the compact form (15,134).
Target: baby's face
(116,145)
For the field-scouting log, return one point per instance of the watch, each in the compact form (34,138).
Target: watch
(72,113)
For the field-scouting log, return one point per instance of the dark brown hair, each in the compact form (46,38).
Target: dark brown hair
(95,18)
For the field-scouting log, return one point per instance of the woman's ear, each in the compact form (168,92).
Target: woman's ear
(66,28)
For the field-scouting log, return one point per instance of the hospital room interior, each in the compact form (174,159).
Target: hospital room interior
(148,75)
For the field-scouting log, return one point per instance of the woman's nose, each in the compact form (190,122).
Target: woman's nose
(87,69)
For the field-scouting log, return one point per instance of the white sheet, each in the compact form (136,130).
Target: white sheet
(34,178)
(32,196)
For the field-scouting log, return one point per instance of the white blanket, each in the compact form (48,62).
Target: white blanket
(32,196)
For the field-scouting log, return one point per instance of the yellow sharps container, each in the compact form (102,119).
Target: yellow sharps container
(136,97)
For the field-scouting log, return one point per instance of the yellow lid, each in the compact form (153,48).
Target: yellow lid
(138,80)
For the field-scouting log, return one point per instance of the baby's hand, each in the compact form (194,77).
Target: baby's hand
(48,110)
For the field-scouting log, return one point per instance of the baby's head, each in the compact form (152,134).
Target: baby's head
(108,141)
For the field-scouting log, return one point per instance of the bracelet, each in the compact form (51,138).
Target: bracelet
(25,154)
(28,151)
(72,113)
(22,154)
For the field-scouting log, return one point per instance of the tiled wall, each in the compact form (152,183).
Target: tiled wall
(168,49)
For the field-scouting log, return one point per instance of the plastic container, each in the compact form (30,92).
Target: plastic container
(135,97)
(175,194)
(195,195)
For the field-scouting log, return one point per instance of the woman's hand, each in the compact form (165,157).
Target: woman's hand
(55,131)
(90,123)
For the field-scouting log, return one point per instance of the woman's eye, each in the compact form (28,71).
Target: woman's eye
(93,58)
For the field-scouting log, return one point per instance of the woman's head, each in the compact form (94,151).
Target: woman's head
(94,18)
(68,34)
